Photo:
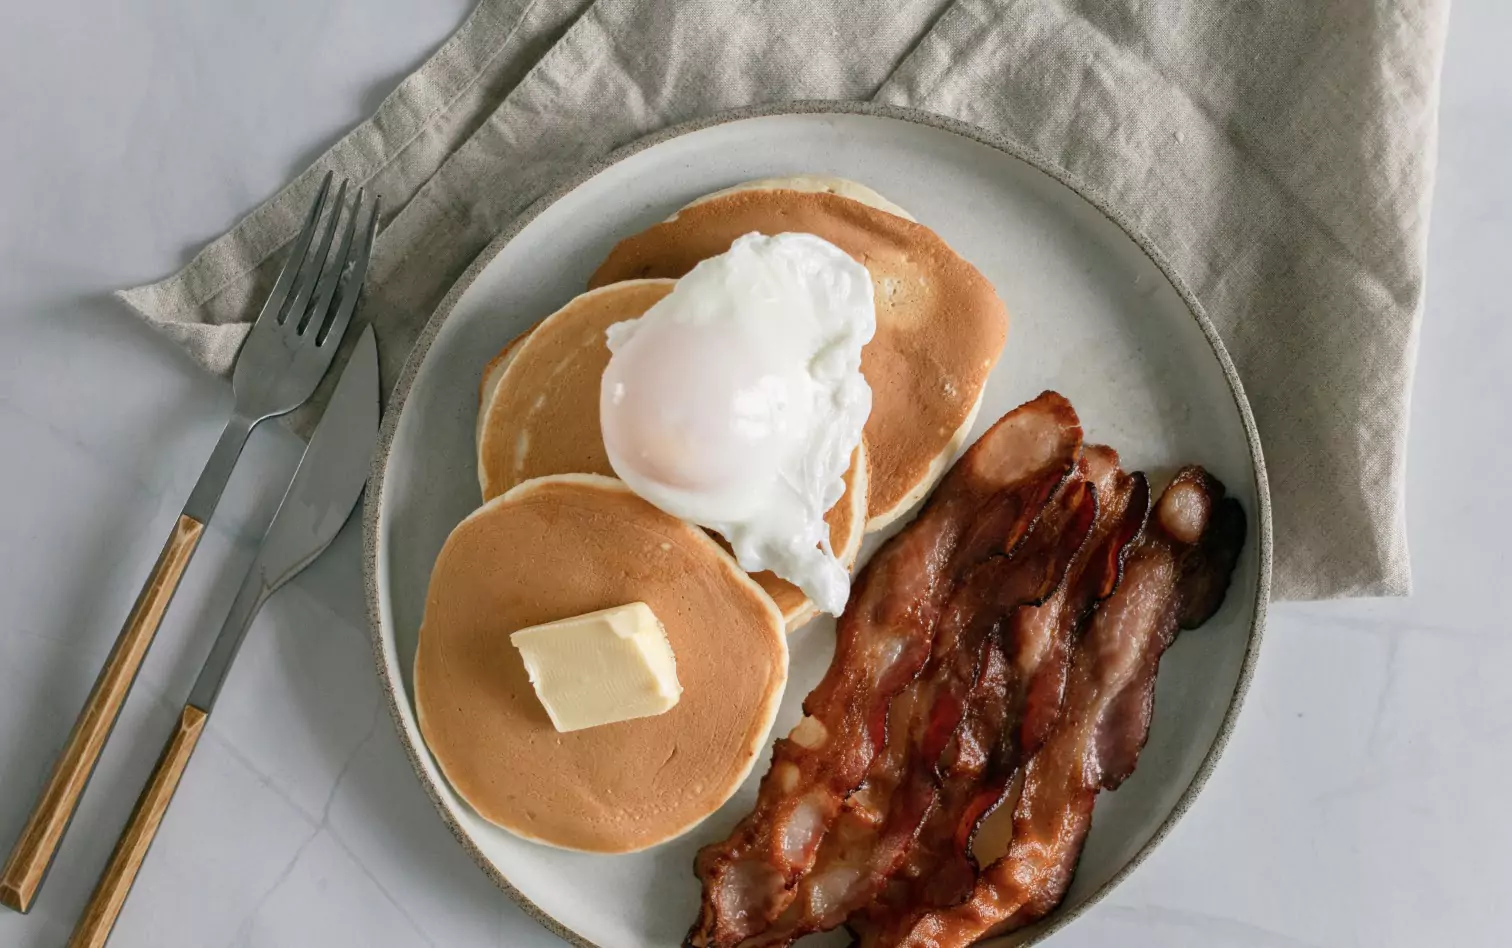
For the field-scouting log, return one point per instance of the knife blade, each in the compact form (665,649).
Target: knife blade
(319,500)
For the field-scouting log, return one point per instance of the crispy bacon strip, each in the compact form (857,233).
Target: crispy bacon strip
(984,506)
(1012,715)
(1175,578)
(881,820)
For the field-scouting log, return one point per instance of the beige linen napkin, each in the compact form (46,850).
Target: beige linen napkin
(1281,153)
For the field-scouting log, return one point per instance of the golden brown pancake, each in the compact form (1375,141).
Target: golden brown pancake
(540,416)
(494,370)
(543,417)
(563,546)
(940,324)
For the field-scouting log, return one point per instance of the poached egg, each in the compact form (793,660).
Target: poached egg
(737,401)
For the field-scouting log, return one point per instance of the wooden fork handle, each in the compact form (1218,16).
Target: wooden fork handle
(110,894)
(34,851)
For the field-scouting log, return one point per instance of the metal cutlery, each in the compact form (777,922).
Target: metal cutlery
(325,488)
(282,360)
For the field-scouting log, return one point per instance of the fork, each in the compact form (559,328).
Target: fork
(282,360)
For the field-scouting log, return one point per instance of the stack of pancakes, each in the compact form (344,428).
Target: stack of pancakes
(550,542)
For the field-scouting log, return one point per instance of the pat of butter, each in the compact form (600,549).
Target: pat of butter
(606,666)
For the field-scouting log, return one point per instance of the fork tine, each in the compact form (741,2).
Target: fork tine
(273,305)
(295,316)
(320,310)
(351,287)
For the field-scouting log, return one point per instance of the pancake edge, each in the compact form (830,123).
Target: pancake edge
(936,470)
(498,369)
(767,714)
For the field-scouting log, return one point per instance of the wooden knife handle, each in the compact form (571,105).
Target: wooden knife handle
(34,851)
(110,893)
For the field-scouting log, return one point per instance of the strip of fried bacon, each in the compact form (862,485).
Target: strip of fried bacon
(1011,716)
(880,821)
(983,508)
(1175,578)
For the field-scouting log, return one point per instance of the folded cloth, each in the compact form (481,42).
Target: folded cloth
(1281,154)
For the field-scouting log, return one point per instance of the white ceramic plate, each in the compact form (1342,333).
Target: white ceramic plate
(1095,315)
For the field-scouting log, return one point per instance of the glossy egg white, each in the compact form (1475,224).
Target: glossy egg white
(737,401)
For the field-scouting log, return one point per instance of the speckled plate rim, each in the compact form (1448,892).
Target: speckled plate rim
(394,689)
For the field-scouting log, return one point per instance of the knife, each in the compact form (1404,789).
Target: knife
(319,500)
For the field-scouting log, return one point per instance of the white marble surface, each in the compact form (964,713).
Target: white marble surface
(1361,800)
